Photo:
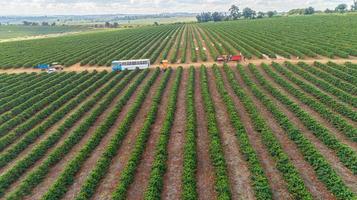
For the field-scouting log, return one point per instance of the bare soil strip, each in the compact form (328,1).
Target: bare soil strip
(276,181)
(172,180)
(90,163)
(137,188)
(346,175)
(57,169)
(306,171)
(239,179)
(205,171)
(51,130)
(78,68)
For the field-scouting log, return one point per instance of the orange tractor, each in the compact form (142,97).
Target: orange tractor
(164,64)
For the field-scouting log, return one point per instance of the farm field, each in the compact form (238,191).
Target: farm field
(15,31)
(267,131)
(310,37)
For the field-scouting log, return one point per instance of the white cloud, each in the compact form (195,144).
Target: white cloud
(54,7)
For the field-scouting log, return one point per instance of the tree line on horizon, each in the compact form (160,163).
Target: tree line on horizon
(234,13)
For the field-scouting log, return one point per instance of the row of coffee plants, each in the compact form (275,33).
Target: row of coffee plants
(295,183)
(177,46)
(102,166)
(335,72)
(259,180)
(190,146)
(346,155)
(323,170)
(127,176)
(347,87)
(38,175)
(222,186)
(29,95)
(48,111)
(341,95)
(15,118)
(66,178)
(31,136)
(155,185)
(337,106)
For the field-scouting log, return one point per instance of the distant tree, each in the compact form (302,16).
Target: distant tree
(53,24)
(248,13)
(309,11)
(234,12)
(217,16)
(341,8)
(204,17)
(270,13)
(199,18)
(45,24)
(328,11)
(156,23)
(107,25)
(115,25)
(260,15)
(354,6)
(26,23)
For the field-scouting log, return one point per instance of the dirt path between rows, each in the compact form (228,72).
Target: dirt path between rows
(141,179)
(240,182)
(51,130)
(57,169)
(306,171)
(276,181)
(78,68)
(95,156)
(205,172)
(172,179)
(330,155)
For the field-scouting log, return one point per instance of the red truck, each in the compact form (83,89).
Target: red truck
(225,58)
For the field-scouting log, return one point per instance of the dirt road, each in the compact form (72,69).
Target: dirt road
(78,68)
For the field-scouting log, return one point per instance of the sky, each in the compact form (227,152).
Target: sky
(83,7)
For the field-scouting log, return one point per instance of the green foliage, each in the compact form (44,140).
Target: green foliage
(158,169)
(189,186)
(36,176)
(347,156)
(216,150)
(295,183)
(288,37)
(259,180)
(66,178)
(32,135)
(323,170)
(127,175)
